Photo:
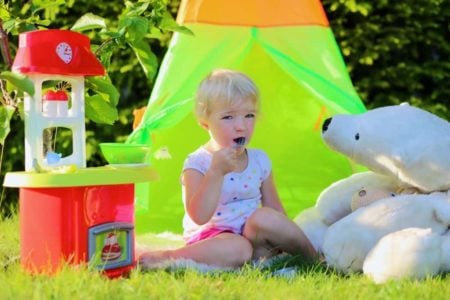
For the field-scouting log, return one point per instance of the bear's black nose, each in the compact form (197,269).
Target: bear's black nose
(325,124)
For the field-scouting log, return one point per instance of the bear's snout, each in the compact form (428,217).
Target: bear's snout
(325,124)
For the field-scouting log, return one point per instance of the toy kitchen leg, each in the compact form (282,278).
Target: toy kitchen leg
(93,224)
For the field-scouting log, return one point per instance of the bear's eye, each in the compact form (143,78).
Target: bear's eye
(357,136)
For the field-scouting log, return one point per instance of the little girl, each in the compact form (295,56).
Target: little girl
(233,212)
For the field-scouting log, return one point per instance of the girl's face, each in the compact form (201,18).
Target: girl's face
(227,123)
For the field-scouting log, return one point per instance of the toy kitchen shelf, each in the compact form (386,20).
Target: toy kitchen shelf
(106,175)
(83,216)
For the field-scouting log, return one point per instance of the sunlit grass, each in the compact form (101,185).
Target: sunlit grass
(311,281)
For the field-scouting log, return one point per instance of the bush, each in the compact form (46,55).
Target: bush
(396,51)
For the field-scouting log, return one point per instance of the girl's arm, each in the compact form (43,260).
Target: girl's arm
(269,195)
(202,192)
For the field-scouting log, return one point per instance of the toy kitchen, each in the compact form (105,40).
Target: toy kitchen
(68,213)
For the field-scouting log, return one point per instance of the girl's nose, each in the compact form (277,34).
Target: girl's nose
(240,124)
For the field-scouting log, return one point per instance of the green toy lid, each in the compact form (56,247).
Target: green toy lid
(106,175)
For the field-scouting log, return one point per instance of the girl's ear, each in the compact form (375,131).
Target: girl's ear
(203,123)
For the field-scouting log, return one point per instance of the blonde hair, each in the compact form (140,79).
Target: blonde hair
(224,85)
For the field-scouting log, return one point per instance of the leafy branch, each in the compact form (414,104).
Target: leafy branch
(137,24)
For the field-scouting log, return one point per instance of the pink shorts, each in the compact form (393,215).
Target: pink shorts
(206,234)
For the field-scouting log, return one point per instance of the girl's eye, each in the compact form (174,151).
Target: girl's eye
(250,115)
(227,117)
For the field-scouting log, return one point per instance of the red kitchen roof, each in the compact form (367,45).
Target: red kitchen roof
(53,51)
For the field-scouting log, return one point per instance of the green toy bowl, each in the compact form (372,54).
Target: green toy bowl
(119,153)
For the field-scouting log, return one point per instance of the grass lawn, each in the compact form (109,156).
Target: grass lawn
(310,282)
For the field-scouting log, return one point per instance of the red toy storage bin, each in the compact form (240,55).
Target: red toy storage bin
(93,224)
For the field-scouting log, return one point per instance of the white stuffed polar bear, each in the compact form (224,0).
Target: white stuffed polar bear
(313,226)
(405,142)
(409,147)
(348,241)
(334,203)
(413,253)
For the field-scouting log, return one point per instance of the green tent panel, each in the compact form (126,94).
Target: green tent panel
(302,80)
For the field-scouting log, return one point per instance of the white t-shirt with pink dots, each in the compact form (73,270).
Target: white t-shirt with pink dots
(240,196)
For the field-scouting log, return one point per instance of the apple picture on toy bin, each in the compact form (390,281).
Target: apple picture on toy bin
(55,103)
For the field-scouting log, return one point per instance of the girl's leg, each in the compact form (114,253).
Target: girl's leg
(270,232)
(223,250)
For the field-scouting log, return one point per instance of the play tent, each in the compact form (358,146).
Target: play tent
(288,49)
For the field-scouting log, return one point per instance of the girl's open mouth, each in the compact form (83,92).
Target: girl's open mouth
(240,141)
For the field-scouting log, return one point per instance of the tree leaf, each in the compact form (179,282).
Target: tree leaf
(146,57)
(135,26)
(19,81)
(89,21)
(20,109)
(6,113)
(169,23)
(103,85)
(100,110)
(4,13)
(136,9)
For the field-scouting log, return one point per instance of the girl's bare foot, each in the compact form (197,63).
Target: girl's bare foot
(152,260)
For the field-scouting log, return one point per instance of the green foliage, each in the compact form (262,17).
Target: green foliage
(101,107)
(146,58)
(396,51)
(89,21)
(12,86)
(6,113)
(20,82)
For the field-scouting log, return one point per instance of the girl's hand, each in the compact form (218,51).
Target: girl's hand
(224,161)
